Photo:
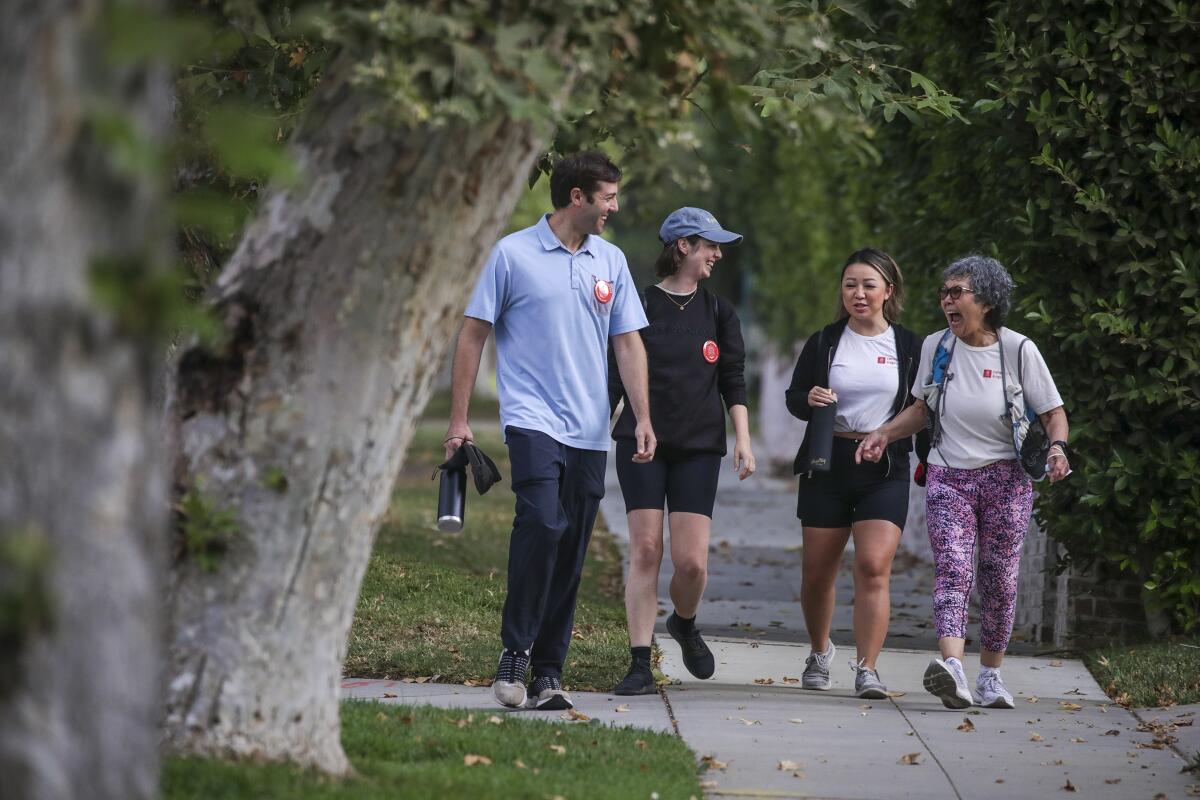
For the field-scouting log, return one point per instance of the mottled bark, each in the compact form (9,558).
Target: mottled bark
(340,301)
(82,474)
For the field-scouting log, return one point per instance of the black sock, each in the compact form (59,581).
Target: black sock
(641,656)
(686,624)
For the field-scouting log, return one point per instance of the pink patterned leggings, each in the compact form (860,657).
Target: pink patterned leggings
(991,504)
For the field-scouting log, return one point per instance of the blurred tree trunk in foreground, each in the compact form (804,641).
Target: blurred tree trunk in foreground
(82,468)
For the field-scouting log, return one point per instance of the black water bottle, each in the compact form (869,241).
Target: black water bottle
(820,438)
(452,499)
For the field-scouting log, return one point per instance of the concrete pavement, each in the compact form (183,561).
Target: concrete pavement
(773,739)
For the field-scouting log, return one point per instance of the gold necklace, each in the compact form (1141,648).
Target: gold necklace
(683,305)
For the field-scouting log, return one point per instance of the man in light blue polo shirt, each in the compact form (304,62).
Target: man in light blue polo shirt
(556,293)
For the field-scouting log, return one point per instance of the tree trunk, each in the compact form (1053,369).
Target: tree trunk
(340,303)
(82,473)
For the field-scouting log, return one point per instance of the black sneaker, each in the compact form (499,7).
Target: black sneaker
(547,694)
(639,680)
(509,686)
(696,656)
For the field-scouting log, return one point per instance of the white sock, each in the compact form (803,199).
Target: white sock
(988,671)
(952,661)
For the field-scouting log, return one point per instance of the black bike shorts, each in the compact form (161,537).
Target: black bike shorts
(683,480)
(850,492)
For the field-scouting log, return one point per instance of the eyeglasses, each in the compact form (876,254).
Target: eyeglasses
(954,292)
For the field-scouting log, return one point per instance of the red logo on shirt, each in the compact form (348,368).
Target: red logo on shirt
(987,373)
(710,351)
(880,360)
(604,291)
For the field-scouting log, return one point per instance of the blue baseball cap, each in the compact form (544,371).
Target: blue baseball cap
(688,221)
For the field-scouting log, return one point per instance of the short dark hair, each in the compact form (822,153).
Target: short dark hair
(888,269)
(668,261)
(585,171)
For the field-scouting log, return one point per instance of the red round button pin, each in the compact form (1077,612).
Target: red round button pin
(604,291)
(711,351)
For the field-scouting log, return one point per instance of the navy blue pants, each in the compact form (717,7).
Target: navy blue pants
(558,492)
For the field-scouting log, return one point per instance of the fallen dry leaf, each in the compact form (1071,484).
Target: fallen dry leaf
(477,682)
(712,763)
(1031,699)
(572,714)
(745,721)
(621,709)
(640,744)
(1078,740)
(519,764)
(1068,706)
(494,720)
(708,784)
(557,748)
(1069,787)
(999,780)
(1056,663)
(1036,737)
(788,766)
(390,694)
(764,681)
(910,758)
(894,694)
(967,726)
(796,720)
(786,679)
(1112,781)
(471,760)
(1112,732)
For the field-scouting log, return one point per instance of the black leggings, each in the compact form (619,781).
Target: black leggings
(684,480)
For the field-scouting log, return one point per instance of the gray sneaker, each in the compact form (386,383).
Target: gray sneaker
(866,682)
(947,680)
(816,669)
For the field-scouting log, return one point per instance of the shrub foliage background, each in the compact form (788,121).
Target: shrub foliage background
(1079,170)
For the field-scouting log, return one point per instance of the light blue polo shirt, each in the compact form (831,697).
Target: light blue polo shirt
(552,333)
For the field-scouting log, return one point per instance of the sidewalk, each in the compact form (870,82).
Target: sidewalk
(1064,734)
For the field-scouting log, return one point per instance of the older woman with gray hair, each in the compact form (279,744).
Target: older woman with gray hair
(970,373)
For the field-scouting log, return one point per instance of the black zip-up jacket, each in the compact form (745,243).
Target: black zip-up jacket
(812,369)
(688,394)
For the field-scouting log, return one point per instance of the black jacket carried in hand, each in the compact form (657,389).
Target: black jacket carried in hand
(812,369)
(688,393)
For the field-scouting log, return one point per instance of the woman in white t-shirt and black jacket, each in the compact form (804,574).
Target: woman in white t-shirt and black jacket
(866,361)
(977,488)
(696,359)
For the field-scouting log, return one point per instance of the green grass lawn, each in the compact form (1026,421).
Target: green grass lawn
(1152,674)
(430,602)
(422,752)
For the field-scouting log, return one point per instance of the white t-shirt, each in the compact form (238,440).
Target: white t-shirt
(865,377)
(975,429)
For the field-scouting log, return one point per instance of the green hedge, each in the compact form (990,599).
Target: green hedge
(1079,171)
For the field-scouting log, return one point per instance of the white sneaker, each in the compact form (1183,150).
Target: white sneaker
(990,691)
(509,686)
(947,680)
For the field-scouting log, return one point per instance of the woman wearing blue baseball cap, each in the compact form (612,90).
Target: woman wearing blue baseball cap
(696,364)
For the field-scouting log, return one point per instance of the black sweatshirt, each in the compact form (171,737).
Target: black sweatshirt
(685,389)
(812,369)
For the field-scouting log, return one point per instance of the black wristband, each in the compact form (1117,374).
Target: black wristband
(1060,443)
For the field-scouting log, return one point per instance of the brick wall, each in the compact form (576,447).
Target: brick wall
(1077,609)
